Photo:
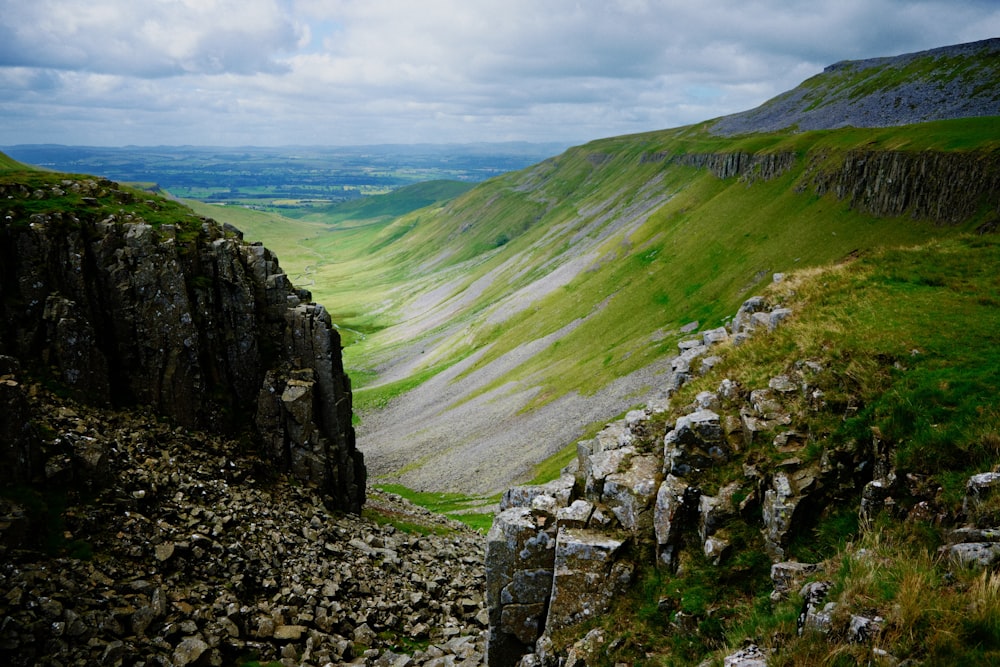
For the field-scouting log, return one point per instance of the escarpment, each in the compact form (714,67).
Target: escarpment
(126,300)
(944,187)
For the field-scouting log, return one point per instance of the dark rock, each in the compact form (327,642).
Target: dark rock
(184,318)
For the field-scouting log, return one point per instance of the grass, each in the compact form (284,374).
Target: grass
(860,321)
(455,506)
(669,244)
(8,163)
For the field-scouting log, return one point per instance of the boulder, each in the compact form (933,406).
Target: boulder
(675,503)
(587,575)
(788,576)
(781,499)
(520,557)
(522,496)
(629,494)
(748,656)
(696,442)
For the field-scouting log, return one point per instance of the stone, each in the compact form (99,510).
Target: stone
(862,630)
(585,577)
(188,651)
(715,336)
(815,615)
(748,656)
(975,554)
(788,576)
(577,515)
(780,502)
(716,547)
(782,384)
(528,587)
(696,442)
(522,496)
(516,545)
(978,489)
(629,494)
(741,320)
(597,467)
(522,621)
(289,632)
(874,497)
(183,318)
(675,502)
(20,452)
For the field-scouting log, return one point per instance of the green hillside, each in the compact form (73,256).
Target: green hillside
(552,298)
(393,204)
(604,253)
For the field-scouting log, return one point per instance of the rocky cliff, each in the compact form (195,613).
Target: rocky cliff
(945,187)
(127,299)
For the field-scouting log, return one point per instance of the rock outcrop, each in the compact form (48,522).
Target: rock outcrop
(126,300)
(944,187)
(559,553)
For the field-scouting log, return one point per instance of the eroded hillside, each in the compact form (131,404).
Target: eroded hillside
(609,254)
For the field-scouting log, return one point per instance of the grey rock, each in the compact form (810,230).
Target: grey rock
(696,442)
(629,494)
(749,656)
(675,502)
(522,496)
(189,650)
(975,554)
(586,577)
(577,515)
(788,576)
(978,489)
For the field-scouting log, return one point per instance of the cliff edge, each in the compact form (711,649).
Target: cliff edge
(124,298)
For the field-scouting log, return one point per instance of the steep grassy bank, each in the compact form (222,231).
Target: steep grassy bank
(906,340)
(602,254)
(549,284)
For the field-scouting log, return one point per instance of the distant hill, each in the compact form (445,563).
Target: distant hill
(959,81)
(393,204)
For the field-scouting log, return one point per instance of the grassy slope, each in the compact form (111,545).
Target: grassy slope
(665,244)
(909,334)
(696,257)
(8,163)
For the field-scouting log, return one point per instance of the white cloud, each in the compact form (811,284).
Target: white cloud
(368,71)
(149,38)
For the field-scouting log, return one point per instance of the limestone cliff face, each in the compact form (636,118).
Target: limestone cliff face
(179,314)
(944,187)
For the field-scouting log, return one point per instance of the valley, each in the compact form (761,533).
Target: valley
(714,396)
(573,319)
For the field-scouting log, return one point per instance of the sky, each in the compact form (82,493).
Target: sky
(350,72)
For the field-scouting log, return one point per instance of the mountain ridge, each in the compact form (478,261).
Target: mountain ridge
(956,81)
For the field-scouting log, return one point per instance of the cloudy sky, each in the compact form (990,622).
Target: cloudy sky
(339,72)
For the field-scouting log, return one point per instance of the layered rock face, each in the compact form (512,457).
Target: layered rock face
(127,301)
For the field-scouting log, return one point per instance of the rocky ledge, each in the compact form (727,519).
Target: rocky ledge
(124,298)
(151,544)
